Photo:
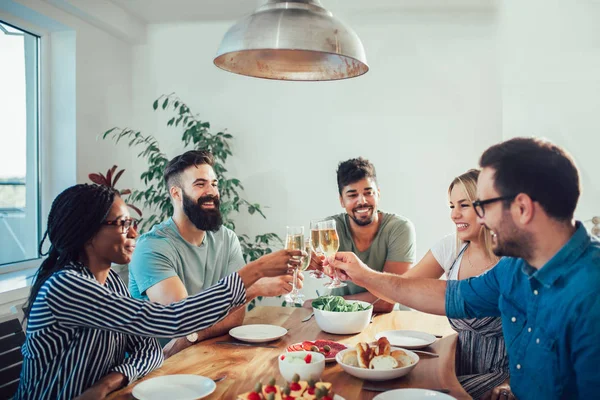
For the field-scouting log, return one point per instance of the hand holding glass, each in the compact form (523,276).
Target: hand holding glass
(330,243)
(295,241)
(316,248)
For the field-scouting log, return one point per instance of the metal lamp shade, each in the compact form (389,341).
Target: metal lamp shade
(292,40)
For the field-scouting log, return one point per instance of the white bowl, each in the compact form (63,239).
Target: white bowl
(412,394)
(306,371)
(344,323)
(374,374)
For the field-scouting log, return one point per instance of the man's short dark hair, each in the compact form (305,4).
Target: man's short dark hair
(182,162)
(354,170)
(538,168)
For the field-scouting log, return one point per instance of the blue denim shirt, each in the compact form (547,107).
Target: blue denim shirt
(550,318)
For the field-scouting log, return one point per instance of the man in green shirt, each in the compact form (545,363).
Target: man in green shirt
(383,241)
(193,250)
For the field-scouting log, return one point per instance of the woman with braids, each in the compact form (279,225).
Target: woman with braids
(86,336)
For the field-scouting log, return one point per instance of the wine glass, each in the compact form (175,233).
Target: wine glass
(314,247)
(295,241)
(330,243)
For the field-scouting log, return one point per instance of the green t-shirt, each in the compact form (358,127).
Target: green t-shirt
(163,253)
(395,240)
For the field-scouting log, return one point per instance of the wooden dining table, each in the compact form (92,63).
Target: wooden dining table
(244,366)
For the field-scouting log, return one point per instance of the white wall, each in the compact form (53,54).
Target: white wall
(423,114)
(551,84)
(425,111)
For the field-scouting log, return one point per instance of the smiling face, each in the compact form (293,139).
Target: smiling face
(361,200)
(463,214)
(200,198)
(110,244)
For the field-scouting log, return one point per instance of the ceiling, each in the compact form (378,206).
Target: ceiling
(157,11)
(163,11)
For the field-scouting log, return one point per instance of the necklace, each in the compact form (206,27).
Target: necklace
(469,260)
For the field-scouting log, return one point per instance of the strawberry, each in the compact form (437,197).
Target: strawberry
(286,393)
(308,358)
(311,387)
(282,357)
(254,396)
(271,387)
(323,394)
(295,385)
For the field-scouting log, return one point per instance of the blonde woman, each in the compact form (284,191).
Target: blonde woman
(482,362)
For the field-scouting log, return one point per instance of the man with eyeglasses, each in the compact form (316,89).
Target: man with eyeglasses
(192,250)
(546,286)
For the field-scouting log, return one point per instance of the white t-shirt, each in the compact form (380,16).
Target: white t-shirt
(445,253)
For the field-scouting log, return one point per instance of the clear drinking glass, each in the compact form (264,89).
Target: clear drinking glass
(315,247)
(295,241)
(330,243)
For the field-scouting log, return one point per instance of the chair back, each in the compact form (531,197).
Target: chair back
(11,359)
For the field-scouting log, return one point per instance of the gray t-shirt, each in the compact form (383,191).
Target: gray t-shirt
(395,240)
(163,253)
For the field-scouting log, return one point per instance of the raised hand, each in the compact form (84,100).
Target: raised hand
(349,266)
(276,286)
(279,262)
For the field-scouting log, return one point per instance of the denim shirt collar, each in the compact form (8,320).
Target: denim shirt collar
(562,261)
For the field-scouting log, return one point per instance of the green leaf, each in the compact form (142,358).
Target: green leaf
(195,134)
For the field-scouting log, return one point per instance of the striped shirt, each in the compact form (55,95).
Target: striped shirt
(79,330)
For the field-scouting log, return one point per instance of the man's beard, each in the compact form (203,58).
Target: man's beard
(511,241)
(205,220)
(363,222)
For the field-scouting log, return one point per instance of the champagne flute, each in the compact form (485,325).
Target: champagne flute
(298,298)
(295,241)
(315,247)
(330,243)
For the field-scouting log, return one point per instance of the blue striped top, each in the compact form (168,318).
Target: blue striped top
(79,330)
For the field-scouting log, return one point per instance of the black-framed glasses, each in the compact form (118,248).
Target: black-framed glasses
(125,223)
(479,205)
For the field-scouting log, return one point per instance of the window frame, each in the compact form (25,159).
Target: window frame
(33,144)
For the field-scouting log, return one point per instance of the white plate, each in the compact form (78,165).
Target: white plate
(407,339)
(257,333)
(412,394)
(180,387)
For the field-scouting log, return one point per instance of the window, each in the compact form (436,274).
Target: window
(19,137)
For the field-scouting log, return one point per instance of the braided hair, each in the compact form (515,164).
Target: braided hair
(75,217)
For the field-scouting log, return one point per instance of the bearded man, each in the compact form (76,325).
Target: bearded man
(192,250)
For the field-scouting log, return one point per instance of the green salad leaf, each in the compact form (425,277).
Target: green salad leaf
(337,304)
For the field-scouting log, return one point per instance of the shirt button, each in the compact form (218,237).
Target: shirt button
(537,341)
(518,366)
(514,319)
(536,292)
(528,329)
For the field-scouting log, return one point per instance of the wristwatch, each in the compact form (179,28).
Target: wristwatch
(192,337)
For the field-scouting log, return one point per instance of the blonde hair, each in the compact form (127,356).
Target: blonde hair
(468,183)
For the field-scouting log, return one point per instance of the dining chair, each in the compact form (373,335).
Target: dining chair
(11,359)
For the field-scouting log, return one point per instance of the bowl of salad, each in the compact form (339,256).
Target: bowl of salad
(339,316)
